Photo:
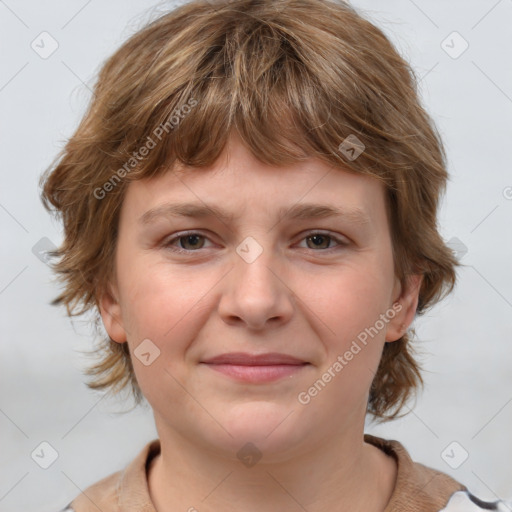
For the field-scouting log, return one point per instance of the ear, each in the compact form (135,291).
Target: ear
(110,310)
(407,298)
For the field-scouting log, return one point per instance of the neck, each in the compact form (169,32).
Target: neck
(342,474)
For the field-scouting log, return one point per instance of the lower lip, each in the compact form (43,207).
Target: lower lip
(257,373)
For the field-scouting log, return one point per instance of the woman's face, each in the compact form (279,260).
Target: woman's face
(275,275)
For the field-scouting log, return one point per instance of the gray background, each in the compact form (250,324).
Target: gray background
(466,340)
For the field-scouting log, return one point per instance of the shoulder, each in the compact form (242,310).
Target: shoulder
(102,495)
(464,501)
(419,488)
(119,491)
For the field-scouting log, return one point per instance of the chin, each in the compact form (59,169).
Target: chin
(261,426)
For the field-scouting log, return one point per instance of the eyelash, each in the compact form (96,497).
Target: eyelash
(168,243)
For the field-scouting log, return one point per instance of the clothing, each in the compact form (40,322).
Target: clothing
(418,488)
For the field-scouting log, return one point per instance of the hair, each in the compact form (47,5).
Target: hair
(294,79)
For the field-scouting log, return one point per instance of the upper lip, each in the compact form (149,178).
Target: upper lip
(241,358)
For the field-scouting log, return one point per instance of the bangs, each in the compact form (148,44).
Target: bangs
(287,100)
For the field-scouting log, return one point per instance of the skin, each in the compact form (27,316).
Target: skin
(297,297)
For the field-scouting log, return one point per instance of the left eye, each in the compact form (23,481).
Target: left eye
(319,239)
(190,238)
(193,240)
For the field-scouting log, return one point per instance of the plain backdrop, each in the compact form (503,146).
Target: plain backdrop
(466,340)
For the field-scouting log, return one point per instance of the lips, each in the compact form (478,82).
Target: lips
(244,359)
(256,368)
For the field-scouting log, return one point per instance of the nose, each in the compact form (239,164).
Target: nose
(257,291)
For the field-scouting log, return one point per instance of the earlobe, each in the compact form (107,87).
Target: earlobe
(408,300)
(110,311)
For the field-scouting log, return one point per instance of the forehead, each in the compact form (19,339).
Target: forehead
(239,186)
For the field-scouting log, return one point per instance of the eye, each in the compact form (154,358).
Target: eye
(193,241)
(319,240)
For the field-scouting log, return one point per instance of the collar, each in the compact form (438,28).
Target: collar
(418,488)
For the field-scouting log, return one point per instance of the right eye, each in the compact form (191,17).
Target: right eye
(191,238)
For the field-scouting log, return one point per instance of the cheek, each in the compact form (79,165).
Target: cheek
(351,308)
(162,305)
(166,310)
(356,295)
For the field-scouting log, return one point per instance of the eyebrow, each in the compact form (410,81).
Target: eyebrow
(300,211)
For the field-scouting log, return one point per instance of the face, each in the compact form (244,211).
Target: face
(257,280)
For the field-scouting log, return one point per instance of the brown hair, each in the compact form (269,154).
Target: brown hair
(294,78)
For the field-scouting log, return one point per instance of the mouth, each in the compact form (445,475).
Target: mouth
(256,368)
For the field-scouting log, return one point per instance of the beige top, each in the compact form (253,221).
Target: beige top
(418,488)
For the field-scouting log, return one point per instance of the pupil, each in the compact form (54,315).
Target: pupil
(316,237)
(190,239)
